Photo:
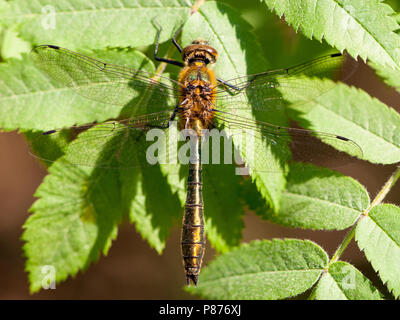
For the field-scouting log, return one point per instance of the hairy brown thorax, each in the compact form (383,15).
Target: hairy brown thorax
(197,95)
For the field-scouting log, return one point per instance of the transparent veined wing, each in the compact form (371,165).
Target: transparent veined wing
(287,144)
(266,90)
(101,81)
(112,144)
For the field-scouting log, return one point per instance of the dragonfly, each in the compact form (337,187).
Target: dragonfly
(202,101)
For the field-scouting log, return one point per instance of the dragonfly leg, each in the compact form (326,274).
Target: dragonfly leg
(229,85)
(174,39)
(237,88)
(156,57)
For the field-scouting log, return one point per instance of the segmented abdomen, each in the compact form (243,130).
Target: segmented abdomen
(192,238)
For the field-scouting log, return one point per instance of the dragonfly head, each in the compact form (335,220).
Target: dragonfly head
(199,51)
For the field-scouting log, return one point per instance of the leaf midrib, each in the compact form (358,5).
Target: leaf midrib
(221,43)
(322,201)
(383,230)
(238,276)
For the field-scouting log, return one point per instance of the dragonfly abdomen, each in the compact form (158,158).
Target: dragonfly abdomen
(193,238)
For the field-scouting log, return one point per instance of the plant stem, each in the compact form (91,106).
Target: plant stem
(384,191)
(345,242)
(350,235)
(197,6)
(378,199)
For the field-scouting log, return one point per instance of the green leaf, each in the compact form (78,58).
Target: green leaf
(96,23)
(390,76)
(378,235)
(99,197)
(344,282)
(239,54)
(30,100)
(274,269)
(290,48)
(351,113)
(152,206)
(11,45)
(319,199)
(346,24)
(222,207)
(3,4)
(74,221)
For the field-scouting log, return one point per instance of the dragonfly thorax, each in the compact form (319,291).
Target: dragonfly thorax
(197,97)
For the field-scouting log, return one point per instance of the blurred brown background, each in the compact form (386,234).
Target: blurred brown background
(131,270)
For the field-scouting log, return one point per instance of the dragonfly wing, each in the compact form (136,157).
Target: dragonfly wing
(293,144)
(266,89)
(100,81)
(113,144)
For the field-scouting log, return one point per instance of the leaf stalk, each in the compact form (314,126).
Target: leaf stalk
(378,199)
